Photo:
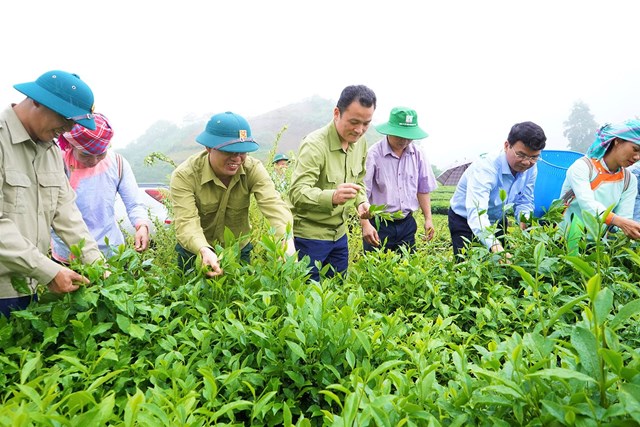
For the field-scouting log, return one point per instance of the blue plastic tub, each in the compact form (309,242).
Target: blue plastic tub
(552,169)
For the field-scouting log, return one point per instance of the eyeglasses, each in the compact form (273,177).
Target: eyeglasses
(523,156)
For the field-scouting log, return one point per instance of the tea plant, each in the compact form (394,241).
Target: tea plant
(404,339)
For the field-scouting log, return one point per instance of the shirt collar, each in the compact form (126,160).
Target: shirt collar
(504,164)
(604,165)
(208,175)
(17,130)
(386,149)
(334,138)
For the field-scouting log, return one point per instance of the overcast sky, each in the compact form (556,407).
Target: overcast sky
(471,68)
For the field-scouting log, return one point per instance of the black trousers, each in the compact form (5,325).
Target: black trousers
(461,232)
(395,234)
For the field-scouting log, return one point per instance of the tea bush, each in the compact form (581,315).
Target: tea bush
(405,339)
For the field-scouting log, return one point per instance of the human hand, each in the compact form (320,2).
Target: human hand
(497,248)
(141,241)
(629,227)
(506,259)
(344,193)
(210,259)
(369,233)
(363,210)
(429,231)
(63,281)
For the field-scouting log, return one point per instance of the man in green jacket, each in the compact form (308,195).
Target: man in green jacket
(211,190)
(36,195)
(329,178)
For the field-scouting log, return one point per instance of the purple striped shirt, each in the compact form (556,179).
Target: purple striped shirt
(396,181)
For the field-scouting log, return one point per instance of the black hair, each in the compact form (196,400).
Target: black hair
(529,133)
(365,96)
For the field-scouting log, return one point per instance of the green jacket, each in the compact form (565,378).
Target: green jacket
(36,196)
(203,206)
(321,165)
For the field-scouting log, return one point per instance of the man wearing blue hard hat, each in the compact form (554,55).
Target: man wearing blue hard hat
(211,190)
(36,195)
(279,174)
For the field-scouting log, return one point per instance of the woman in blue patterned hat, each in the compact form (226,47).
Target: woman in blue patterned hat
(601,180)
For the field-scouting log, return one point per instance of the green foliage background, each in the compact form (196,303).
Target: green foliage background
(541,338)
(404,339)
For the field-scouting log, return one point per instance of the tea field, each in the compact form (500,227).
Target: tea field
(541,339)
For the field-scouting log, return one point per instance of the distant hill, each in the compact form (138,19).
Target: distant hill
(178,142)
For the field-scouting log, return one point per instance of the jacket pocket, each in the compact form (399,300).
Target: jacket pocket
(50,187)
(356,170)
(16,192)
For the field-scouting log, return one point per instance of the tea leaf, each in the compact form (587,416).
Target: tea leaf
(562,373)
(626,311)
(613,359)
(232,407)
(21,285)
(296,349)
(539,253)
(332,396)
(581,265)
(51,335)
(602,305)
(565,309)
(593,287)
(132,407)
(584,342)
(30,393)
(263,405)
(103,379)
(528,278)
(386,366)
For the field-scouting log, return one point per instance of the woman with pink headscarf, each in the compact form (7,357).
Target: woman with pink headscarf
(97,175)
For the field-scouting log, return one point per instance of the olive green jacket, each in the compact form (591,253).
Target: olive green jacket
(321,166)
(203,206)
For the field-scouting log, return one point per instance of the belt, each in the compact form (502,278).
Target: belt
(409,215)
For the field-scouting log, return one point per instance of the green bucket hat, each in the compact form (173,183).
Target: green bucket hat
(63,93)
(279,157)
(228,132)
(403,123)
